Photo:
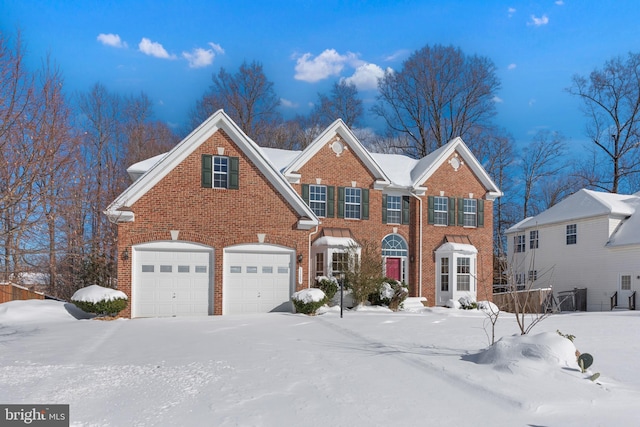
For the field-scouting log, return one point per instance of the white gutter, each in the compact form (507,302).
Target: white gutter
(309,256)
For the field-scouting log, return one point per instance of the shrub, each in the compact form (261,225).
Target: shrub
(391,293)
(102,308)
(468,303)
(328,285)
(307,301)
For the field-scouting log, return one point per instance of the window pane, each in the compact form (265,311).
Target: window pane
(572,234)
(283,270)
(220,170)
(267,269)
(318,199)
(625,283)
(444,274)
(352,198)
(394,212)
(147,268)
(165,269)
(201,268)
(252,269)
(235,269)
(440,210)
(470,210)
(183,269)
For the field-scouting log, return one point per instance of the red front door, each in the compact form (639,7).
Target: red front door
(393,268)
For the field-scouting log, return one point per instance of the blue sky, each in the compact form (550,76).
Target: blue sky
(170,49)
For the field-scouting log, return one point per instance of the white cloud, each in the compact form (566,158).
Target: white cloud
(200,57)
(543,20)
(366,76)
(498,100)
(328,63)
(511,67)
(112,40)
(511,11)
(216,47)
(397,55)
(560,3)
(288,104)
(150,48)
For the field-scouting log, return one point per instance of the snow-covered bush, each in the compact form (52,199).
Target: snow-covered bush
(468,303)
(99,300)
(328,285)
(307,301)
(391,293)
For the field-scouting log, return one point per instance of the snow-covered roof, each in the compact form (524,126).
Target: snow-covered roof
(390,170)
(585,204)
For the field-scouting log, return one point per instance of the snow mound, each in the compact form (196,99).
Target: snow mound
(309,295)
(39,311)
(95,293)
(527,352)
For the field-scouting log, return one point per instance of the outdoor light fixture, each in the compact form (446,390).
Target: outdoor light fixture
(299,258)
(125,254)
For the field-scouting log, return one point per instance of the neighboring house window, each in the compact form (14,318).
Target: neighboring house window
(470,209)
(572,234)
(625,283)
(533,239)
(318,199)
(444,274)
(440,210)
(320,264)
(518,243)
(394,209)
(220,172)
(533,275)
(463,278)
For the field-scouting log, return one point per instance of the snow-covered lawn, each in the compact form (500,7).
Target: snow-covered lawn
(370,368)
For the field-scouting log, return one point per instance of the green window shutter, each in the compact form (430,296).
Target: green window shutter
(384,208)
(430,215)
(480,213)
(234,173)
(460,211)
(365,203)
(207,171)
(340,202)
(305,193)
(331,196)
(406,205)
(452,211)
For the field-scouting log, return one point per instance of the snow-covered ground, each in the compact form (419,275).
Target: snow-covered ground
(369,368)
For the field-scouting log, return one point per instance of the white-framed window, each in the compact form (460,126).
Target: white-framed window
(533,275)
(440,210)
(463,271)
(444,274)
(352,202)
(220,172)
(339,264)
(625,282)
(470,209)
(394,209)
(518,243)
(318,199)
(533,239)
(319,264)
(572,234)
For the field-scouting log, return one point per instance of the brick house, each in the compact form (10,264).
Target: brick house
(220,226)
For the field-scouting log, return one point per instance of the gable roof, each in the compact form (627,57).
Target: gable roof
(120,209)
(432,162)
(580,205)
(346,135)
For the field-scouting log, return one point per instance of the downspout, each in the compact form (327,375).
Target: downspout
(419,247)
(309,256)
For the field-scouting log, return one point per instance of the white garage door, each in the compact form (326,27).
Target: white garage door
(257,279)
(172,281)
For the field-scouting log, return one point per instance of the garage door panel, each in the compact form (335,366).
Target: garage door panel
(257,282)
(172,282)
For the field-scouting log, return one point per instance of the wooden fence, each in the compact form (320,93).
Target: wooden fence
(12,292)
(532,300)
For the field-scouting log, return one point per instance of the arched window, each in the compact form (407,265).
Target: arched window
(394,245)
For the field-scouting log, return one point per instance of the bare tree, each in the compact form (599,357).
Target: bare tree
(342,103)
(542,158)
(611,103)
(440,93)
(247,96)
